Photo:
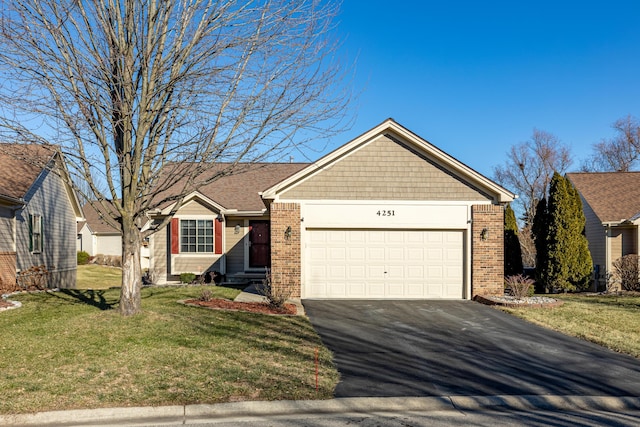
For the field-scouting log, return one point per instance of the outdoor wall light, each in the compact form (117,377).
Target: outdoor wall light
(220,218)
(484,234)
(287,233)
(236,229)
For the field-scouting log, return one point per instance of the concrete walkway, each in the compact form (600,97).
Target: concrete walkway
(198,413)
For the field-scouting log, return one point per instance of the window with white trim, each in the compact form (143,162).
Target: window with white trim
(196,235)
(35,233)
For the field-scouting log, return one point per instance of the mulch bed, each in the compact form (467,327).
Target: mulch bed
(252,307)
(5,304)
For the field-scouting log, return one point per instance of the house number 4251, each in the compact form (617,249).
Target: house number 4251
(386,213)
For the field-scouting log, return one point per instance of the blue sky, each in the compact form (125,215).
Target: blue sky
(474,78)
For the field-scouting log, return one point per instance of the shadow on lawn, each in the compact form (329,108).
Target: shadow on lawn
(91,297)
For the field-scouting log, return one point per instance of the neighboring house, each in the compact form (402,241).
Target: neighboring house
(611,205)
(98,236)
(388,215)
(38,214)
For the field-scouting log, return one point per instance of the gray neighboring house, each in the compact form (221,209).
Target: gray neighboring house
(39,212)
(611,204)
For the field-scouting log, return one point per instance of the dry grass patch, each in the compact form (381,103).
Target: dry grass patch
(612,321)
(83,354)
(93,276)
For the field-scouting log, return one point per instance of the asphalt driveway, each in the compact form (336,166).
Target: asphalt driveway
(437,348)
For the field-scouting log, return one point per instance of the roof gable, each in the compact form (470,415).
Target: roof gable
(20,166)
(95,219)
(613,196)
(390,162)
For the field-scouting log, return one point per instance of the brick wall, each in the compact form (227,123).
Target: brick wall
(285,251)
(7,271)
(487,273)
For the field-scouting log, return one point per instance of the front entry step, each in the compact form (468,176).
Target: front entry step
(245,277)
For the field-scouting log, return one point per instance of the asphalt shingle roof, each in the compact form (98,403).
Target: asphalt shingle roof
(240,190)
(95,221)
(20,165)
(613,196)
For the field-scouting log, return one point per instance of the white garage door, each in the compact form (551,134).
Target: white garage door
(384,264)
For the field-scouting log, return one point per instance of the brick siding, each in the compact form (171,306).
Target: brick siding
(7,270)
(487,273)
(285,251)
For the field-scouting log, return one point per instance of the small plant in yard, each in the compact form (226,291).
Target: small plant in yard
(519,286)
(83,258)
(626,272)
(205,295)
(276,295)
(187,278)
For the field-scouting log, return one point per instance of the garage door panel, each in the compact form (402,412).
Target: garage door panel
(384,264)
(357,272)
(375,254)
(415,272)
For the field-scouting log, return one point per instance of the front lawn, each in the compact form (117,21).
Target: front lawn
(93,276)
(611,321)
(71,349)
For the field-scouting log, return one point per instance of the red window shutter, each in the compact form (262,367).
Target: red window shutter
(175,238)
(217,239)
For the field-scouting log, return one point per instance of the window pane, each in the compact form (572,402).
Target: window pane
(196,235)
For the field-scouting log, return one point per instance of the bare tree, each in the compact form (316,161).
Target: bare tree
(145,95)
(620,153)
(528,247)
(529,168)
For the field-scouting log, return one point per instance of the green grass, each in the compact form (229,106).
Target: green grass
(71,349)
(611,321)
(92,276)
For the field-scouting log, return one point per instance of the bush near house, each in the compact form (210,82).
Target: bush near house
(83,258)
(519,286)
(187,277)
(626,272)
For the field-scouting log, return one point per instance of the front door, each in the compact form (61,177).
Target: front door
(259,244)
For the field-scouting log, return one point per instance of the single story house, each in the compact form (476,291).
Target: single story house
(97,236)
(387,215)
(611,205)
(38,215)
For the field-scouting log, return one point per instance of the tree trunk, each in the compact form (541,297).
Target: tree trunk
(130,301)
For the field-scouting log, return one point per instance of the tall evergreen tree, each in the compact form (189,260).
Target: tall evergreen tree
(539,230)
(567,265)
(582,268)
(512,250)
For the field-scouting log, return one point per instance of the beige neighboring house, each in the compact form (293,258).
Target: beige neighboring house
(97,236)
(611,204)
(38,214)
(387,215)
